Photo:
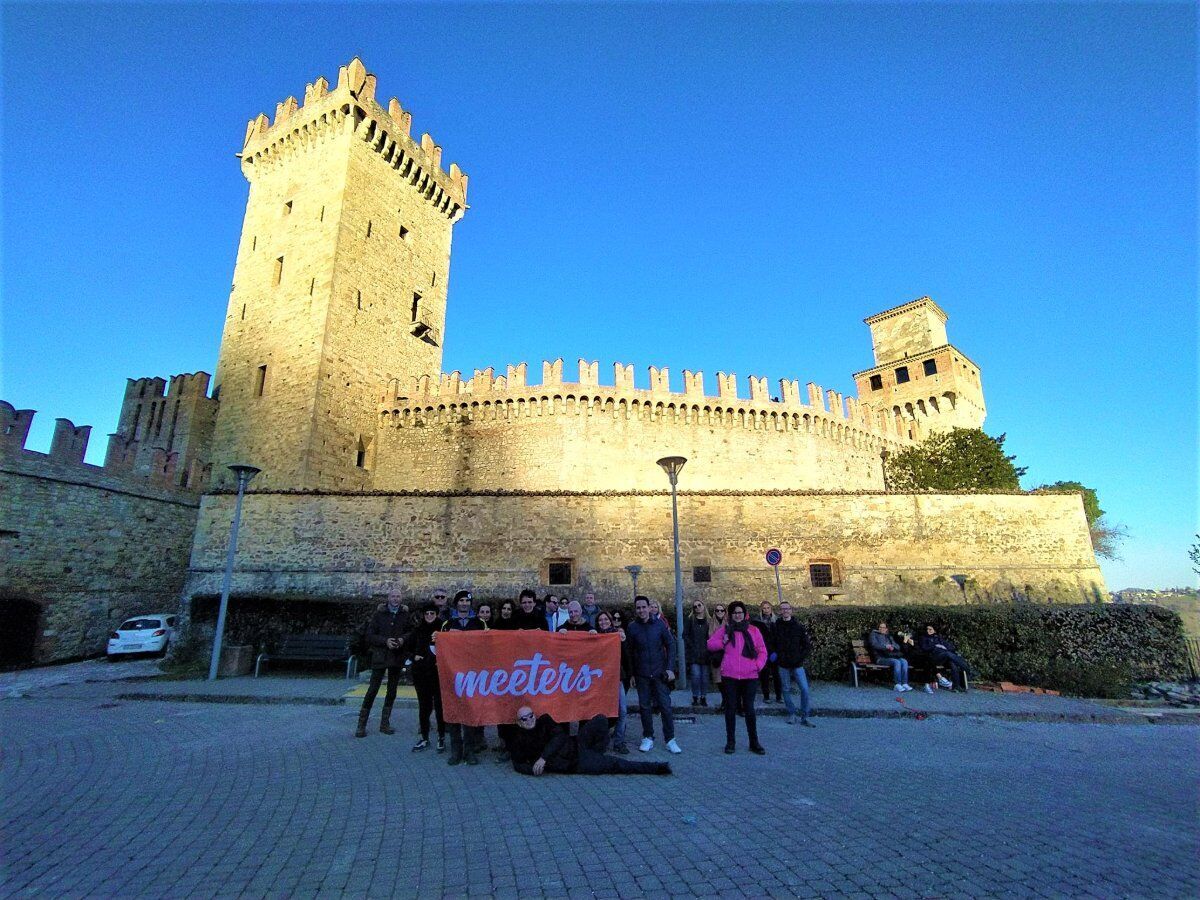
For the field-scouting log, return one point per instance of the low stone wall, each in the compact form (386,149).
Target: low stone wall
(882,548)
(82,550)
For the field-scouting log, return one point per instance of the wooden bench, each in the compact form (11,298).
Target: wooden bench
(313,648)
(860,661)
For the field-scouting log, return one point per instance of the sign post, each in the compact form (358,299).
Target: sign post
(774,558)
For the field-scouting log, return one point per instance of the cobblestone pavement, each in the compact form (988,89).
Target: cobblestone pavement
(27,681)
(104,798)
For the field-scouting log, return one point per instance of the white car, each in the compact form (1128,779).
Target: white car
(142,634)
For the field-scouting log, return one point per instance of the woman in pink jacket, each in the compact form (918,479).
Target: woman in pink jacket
(745,653)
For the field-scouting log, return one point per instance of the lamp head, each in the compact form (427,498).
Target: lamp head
(633,570)
(244,473)
(671,465)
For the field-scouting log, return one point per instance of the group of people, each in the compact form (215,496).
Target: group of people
(727,649)
(929,652)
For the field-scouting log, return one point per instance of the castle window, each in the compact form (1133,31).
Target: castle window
(278,269)
(403,233)
(824,573)
(368,227)
(902,375)
(360,453)
(433,280)
(930,366)
(287,208)
(558,571)
(877,382)
(260,381)
(359,293)
(416,307)
(701,574)
(321,217)
(243,310)
(312,286)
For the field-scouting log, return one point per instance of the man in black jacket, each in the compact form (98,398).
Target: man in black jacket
(538,745)
(793,646)
(385,638)
(465,740)
(527,616)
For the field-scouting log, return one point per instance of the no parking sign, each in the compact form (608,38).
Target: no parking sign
(774,557)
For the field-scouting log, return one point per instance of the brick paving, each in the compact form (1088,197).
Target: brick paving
(110,798)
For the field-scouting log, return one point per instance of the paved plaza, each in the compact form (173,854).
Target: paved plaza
(109,797)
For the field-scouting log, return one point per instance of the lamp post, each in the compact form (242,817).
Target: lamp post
(671,465)
(244,473)
(634,572)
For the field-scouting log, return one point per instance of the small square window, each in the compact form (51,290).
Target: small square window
(559,572)
(902,375)
(877,382)
(821,575)
(930,366)
(702,574)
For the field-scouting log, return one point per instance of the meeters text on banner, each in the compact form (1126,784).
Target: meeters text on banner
(487,676)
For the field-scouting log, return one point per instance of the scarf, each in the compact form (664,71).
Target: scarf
(748,649)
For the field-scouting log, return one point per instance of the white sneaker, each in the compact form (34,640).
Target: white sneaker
(647,745)
(944,681)
(928,689)
(899,689)
(907,687)
(673,746)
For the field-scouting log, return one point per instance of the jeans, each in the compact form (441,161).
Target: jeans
(655,688)
(696,675)
(958,666)
(622,712)
(899,667)
(800,677)
(743,690)
(393,679)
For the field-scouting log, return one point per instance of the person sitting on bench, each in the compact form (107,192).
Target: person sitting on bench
(941,651)
(538,745)
(886,651)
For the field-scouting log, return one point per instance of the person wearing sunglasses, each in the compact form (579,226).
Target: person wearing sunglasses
(695,646)
(744,653)
(425,677)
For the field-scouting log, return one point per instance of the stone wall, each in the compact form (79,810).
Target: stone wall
(90,548)
(882,548)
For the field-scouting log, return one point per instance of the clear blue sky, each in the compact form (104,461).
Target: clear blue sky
(717,187)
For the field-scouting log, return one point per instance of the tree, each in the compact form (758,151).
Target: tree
(1194,555)
(964,459)
(1106,536)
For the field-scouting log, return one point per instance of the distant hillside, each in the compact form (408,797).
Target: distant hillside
(1185,601)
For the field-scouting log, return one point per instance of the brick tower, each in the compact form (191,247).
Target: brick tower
(928,384)
(339,286)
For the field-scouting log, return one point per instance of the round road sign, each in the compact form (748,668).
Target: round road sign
(774,557)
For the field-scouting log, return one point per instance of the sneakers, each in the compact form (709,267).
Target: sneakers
(944,681)
(441,747)
(673,746)
(646,745)
(899,689)
(906,687)
(421,744)
(928,689)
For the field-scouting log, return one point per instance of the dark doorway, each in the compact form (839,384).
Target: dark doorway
(19,623)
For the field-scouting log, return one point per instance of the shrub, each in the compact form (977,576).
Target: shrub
(1088,650)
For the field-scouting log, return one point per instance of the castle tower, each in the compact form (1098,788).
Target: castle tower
(339,287)
(926,382)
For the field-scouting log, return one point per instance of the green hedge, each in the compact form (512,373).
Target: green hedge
(1087,650)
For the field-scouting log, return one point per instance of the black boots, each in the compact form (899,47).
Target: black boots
(385,723)
(361,731)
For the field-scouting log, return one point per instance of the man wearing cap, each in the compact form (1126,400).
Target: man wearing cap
(465,740)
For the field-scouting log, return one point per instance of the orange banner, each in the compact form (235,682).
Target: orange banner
(486,676)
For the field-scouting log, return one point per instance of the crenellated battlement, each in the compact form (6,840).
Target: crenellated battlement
(451,399)
(350,107)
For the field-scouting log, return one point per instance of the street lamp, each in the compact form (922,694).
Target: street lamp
(634,572)
(244,473)
(671,465)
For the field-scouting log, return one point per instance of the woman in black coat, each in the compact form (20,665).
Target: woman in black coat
(941,651)
(419,648)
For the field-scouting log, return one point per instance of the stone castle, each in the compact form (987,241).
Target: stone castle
(380,471)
